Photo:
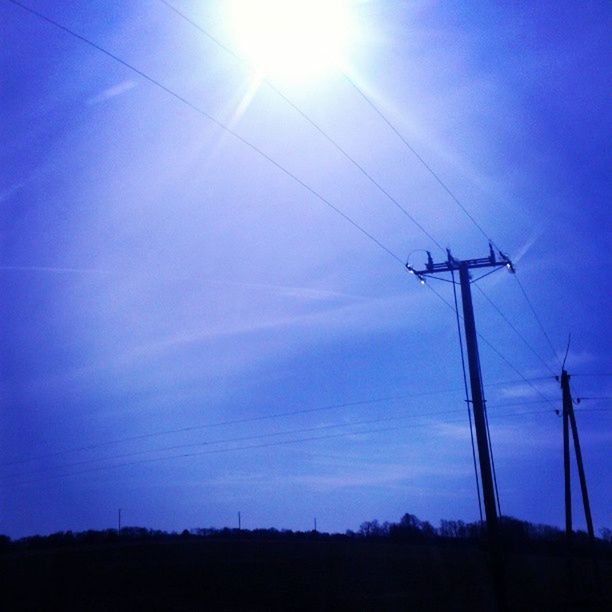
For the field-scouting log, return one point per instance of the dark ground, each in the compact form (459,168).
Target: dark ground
(359,574)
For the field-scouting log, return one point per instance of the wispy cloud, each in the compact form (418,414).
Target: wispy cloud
(363,315)
(305,293)
(525,391)
(453,431)
(111,92)
(357,476)
(326,321)
(526,246)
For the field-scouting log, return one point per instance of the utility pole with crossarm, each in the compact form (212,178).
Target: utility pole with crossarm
(477,400)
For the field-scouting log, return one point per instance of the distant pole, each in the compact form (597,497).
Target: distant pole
(315,524)
(581,475)
(568,415)
(569,420)
(119,521)
(567,407)
(239,522)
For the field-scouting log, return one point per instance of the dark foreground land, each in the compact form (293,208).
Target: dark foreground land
(317,574)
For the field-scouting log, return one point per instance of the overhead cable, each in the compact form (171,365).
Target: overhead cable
(253,446)
(312,122)
(214,120)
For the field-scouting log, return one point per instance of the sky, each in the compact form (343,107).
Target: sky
(205,310)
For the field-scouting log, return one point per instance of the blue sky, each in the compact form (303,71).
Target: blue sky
(159,275)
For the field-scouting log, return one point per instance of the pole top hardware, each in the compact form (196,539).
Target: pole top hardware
(496,260)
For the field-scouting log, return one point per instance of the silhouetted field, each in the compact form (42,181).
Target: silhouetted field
(312,572)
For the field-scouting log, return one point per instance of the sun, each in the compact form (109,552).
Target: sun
(294,40)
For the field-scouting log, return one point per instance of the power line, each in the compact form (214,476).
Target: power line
(241,439)
(537,318)
(496,351)
(509,364)
(452,195)
(229,130)
(241,421)
(211,118)
(246,142)
(514,329)
(201,426)
(312,122)
(419,157)
(504,317)
(517,380)
(258,446)
(187,455)
(249,437)
(350,158)
(306,117)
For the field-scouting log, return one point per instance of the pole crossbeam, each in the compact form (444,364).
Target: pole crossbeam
(452,264)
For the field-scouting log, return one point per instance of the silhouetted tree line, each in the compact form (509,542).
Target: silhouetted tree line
(516,534)
(63,539)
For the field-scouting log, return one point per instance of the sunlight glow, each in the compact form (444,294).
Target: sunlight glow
(294,40)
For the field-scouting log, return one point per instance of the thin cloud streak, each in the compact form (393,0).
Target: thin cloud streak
(525,391)
(353,316)
(307,293)
(112,92)
(363,316)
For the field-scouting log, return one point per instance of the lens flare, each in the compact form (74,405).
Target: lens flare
(292,39)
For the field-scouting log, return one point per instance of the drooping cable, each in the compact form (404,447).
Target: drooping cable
(211,118)
(514,329)
(166,448)
(246,420)
(419,157)
(238,439)
(467,397)
(489,443)
(450,193)
(247,447)
(496,351)
(349,157)
(537,318)
(246,142)
(254,147)
(312,122)
(218,424)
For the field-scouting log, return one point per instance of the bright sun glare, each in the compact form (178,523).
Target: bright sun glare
(292,39)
